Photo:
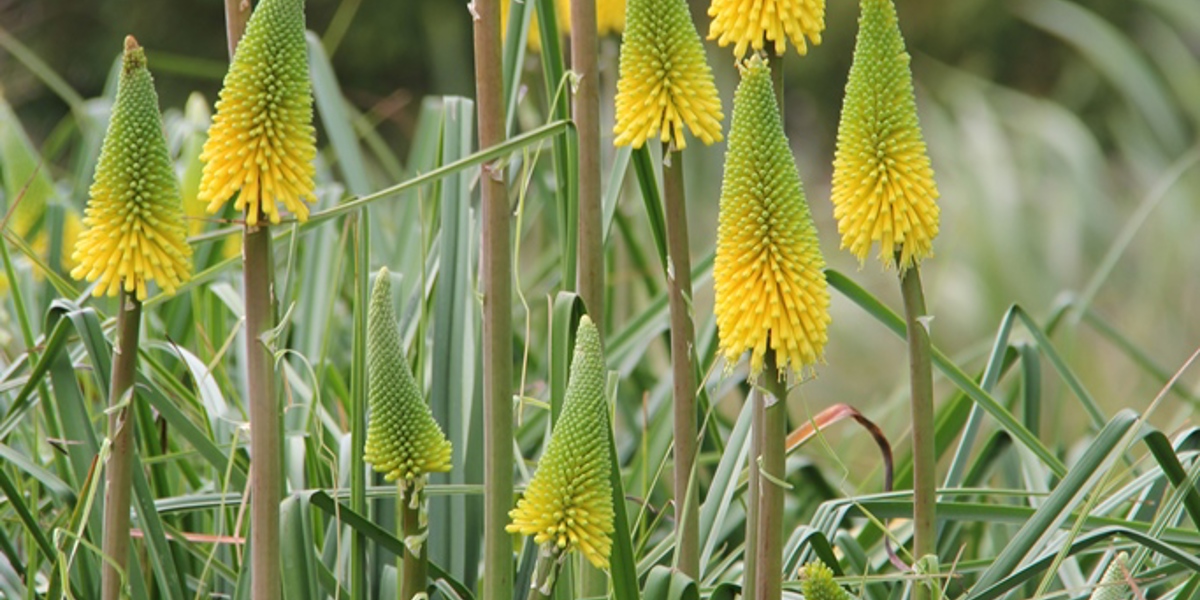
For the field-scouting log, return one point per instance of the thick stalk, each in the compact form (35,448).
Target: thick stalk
(266,471)
(753,491)
(679,296)
(545,573)
(924,458)
(412,573)
(772,431)
(119,471)
(585,111)
(497,311)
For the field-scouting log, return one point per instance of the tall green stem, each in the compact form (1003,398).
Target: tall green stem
(770,463)
(585,111)
(924,457)
(753,491)
(679,297)
(545,573)
(497,311)
(266,472)
(119,471)
(412,573)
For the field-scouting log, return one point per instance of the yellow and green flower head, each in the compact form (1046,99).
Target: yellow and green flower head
(133,224)
(750,24)
(261,144)
(404,442)
(665,82)
(1113,584)
(883,187)
(769,273)
(569,501)
(816,583)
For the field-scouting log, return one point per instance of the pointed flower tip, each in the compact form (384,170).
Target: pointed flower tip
(1113,584)
(755,25)
(769,272)
(262,143)
(816,583)
(883,185)
(568,504)
(404,442)
(665,83)
(133,225)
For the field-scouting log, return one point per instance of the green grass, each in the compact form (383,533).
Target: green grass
(1062,289)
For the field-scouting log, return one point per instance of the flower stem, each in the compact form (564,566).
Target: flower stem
(754,490)
(497,311)
(413,580)
(585,111)
(118,487)
(679,297)
(266,471)
(770,462)
(924,458)
(267,468)
(545,572)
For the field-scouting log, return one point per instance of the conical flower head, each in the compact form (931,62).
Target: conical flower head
(569,501)
(133,224)
(883,187)
(769,273)
(262,141)
(403,440)
(1114,585)
(750,24)
(665,81)
(816,583)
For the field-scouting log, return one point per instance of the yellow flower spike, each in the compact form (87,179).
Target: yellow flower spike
(404,442)
(750,24)
(883,187)
(768,273)
(262,142)
(568,504)
(133,224)
(816,583)
(665,82)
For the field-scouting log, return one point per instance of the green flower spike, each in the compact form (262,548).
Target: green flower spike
(769,273)
(404,442)
(262,141)
(134,230)
(883,187)
(1113,585)
(568,504)
(665,81)
(816,583)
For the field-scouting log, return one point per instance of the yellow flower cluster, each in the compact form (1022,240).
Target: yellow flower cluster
(610,18)
(883,187)
(134,230)
(569,501)
(750,24)
(769,273)
(665,82)
(816,583)
(403,440)
(261,144)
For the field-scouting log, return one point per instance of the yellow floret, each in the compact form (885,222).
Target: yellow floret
(750,24)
